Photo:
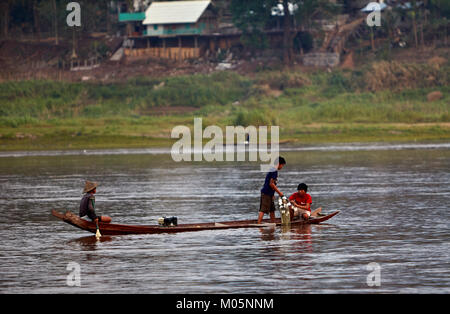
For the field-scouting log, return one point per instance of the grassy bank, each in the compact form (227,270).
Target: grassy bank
(42,137)
(382,102)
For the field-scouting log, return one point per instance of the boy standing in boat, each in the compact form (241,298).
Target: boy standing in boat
(87,204)
(301,202)
(267,205)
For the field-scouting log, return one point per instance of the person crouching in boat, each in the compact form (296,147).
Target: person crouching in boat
(301,202)
(267,205)
(87,204)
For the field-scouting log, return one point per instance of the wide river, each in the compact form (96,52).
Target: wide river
(391,236)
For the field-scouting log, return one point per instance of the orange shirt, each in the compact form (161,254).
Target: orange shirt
(301,200)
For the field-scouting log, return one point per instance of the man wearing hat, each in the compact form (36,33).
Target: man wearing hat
(87,204)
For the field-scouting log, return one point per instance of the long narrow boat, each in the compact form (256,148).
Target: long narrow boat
(118,229)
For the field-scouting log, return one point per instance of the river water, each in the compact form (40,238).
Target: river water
(391,236)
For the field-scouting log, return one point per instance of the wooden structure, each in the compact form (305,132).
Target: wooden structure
(118,229)
(178,30)
(176,53)
(333,46)
(335,40)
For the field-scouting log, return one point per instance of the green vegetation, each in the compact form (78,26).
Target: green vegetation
(49,100)
(321,106)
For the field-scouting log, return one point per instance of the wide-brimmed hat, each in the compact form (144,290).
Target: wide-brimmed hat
(89,186)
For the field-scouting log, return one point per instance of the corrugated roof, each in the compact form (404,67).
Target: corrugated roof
(175,12)
(374,6)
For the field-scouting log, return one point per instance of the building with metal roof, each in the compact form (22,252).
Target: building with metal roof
(175,12)
(178,18)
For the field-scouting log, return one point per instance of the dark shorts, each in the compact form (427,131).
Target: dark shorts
(266,204)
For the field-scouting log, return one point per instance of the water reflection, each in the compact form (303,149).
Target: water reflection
(268,233)
(90,243)
(302,238)
(298,237)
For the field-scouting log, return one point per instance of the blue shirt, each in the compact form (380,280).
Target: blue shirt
(266,188)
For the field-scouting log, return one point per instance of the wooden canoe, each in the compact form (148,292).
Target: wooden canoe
(118,229)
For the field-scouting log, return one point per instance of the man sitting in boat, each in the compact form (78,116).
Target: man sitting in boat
(301,202)
(87,204)
(267,205)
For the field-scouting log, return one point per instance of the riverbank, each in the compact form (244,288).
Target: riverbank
(379,102)
(111,136)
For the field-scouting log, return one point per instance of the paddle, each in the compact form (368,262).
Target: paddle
(97,234)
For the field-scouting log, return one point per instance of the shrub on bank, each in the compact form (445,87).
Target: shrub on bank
(379,92)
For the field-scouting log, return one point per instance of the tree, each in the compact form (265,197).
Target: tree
(438,21)
(55,21)
(6,9)
(303,12)
(36,19)
(130,9)
(287,37)
(251,17)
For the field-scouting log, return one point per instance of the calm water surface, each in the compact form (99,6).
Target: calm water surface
(394,202)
